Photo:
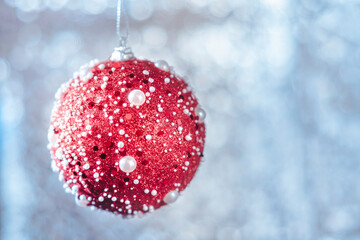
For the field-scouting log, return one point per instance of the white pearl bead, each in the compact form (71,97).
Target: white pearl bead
(127,164)
(201,114)
(54,167)
(81,201)
(74,189)
(171,197)
(59,153)
(136,97)
(162,65)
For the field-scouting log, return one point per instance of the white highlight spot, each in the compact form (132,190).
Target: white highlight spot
(53,138)
(148,137)
(153,192)
(86,166)
(167,80)
(127,164)
(101,199)
(146,72)
(152,89)
(136,97)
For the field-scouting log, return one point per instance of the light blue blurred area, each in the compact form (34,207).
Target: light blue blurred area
(279,79)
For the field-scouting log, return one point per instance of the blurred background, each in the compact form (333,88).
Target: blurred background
(279,79)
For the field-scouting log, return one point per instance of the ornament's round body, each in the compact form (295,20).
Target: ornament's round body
(126,136)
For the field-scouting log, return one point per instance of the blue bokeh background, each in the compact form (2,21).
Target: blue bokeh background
(279,79)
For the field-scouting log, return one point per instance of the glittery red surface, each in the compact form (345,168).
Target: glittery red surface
(165,163)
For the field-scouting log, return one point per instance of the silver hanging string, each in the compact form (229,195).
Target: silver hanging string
(122,52)
(122,18)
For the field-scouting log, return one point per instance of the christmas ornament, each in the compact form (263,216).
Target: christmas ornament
(126,135)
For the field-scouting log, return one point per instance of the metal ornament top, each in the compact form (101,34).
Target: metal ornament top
(122,52)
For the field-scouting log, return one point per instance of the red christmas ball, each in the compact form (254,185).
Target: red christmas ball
(126,136)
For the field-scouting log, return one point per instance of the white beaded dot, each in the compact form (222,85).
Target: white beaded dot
(120,144)
(188,137)
(59,153)
(101,199)
(148,137)
(153,192)
(137,97)
(171,197)
(127,164)
(81,201)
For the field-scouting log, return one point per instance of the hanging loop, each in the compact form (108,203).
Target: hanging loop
(122,22)
(122,52)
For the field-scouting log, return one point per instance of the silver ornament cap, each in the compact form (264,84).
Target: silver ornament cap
(122,52)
